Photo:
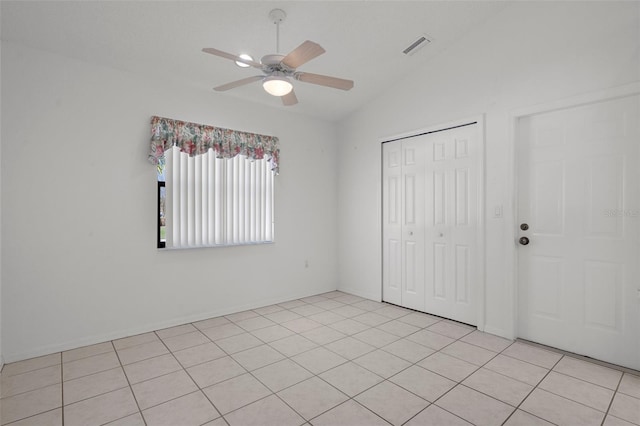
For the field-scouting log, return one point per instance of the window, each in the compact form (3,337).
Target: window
(218,185)
(162,223)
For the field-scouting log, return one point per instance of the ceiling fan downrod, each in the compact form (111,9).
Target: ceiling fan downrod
(277,16)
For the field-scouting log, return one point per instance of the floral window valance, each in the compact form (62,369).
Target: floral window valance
(196,139)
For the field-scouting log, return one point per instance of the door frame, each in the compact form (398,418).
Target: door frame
(512,229)
(478,120)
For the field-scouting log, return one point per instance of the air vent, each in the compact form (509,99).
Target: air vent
(421,41)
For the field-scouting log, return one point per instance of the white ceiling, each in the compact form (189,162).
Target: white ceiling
(364,40)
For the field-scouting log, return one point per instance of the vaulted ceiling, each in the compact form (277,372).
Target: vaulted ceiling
(364,40)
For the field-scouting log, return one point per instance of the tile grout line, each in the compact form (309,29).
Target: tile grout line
(31,371)
(31,416)
(230,355)
(530,363)
(349,398)
(434,404)
(285,358)
(314,375)
(61,388)
(356,402)
(589,381)
(61,407)
(457,383)
(198,388)
(572,400)
(99,394)
(290,359)
(513,378)
(34,389)
(490,396)
(259,381)
(615,392)
(63,404)
(135,399)
(398,372)
(532,390)
(579,357)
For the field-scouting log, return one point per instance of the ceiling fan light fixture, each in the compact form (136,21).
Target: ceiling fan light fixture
(242,64)
(277,85)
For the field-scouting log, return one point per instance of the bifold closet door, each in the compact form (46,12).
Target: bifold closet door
(413,216)
(430,222)
(392,223)
(403,216)
(452,182)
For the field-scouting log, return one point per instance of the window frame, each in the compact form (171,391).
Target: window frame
(159,242)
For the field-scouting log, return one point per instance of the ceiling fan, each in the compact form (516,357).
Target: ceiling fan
(279,70)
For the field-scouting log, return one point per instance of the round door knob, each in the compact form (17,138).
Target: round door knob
(524,226)
(524,241)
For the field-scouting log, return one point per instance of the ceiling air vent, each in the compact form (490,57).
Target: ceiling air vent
(421,41)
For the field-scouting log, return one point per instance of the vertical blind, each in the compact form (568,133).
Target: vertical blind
(215,201)
(219,183)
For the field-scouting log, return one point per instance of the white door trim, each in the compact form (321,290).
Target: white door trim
(512,218)
(479,120)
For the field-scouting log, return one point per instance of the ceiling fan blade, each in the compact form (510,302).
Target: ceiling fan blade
(289,99)
(238,83)
(325,80)
(303,54)
(231,56)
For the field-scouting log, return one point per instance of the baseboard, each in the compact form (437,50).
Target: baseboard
(367,295)
(1,362)
(92,340)
(498,332)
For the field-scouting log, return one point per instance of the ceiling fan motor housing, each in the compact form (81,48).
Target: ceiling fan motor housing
(273,63)
(271,59)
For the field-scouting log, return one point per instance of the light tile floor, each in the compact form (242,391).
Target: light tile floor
(331,359)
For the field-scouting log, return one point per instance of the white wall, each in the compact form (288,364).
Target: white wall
(531,53)
(79,263)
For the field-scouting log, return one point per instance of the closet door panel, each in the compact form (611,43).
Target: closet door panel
(392,223)
(412,224)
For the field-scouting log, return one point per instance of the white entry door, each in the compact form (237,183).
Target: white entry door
(579,196)
(430,222)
